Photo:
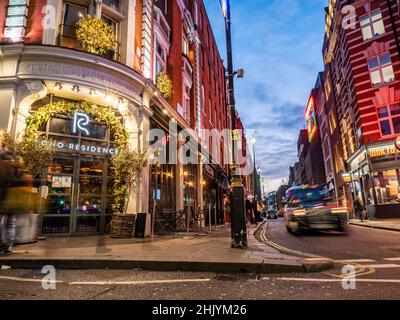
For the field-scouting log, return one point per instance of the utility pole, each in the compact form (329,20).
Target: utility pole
(238,210)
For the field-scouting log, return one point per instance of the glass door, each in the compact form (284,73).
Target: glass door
(90,196)
(57,209)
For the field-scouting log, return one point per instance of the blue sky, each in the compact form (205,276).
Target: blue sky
(278,43)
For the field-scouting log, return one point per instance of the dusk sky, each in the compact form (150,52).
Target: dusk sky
(278,43)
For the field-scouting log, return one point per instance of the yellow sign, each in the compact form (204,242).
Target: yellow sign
(382,151)
(398,143)
(235,135)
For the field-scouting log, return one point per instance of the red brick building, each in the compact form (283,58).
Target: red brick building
(42,62)
(362,62)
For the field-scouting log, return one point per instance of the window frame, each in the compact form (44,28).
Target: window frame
(379,68)
(389,118)
(370,24)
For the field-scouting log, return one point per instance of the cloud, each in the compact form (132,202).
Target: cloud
(278,43)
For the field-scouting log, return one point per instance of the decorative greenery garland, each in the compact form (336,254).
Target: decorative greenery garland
(95,35)
(63,108)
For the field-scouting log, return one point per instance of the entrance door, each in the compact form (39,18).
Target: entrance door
(80,197)
(89,197)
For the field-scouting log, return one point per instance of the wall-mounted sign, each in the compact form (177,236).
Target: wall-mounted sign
(80,123)
(311,119)
(382,151)
(84,148)
(346,177)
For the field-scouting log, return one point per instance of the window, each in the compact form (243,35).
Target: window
(332,121)
(162,4)
(328,88)
(210,109)
(185,44)
(372,25)
(114,4)
(160,59)
(113,54)
(387,186)
(111,22)
(72,14)
(389,119)
(203,101)
(17,12)
(381,69)
(186,102)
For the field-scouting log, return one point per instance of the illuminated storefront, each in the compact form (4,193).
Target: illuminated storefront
(375,179)
(80,198)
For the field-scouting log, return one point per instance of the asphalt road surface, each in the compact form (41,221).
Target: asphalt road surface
(374,256)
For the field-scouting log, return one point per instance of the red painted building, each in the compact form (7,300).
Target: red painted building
(362,64)
(42,61)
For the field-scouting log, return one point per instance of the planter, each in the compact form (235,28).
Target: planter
(122,225)
(27,228)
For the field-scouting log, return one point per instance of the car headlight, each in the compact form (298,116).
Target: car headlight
(299,212)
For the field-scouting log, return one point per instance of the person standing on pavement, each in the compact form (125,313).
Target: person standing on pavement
(358,207)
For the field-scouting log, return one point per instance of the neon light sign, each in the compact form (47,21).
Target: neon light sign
(80,121)
(311,119)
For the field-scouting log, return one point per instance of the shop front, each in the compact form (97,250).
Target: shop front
(105,101)
(78,184)
(215,189)
(375,179)
(163,175)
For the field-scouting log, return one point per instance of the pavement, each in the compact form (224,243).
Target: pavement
(389,224)
(197,253)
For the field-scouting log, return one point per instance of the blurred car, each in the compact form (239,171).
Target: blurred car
(309,208)
(272,214)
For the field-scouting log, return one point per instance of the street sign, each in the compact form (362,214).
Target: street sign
(398,143)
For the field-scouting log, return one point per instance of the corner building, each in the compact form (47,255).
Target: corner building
(43,64)
(362,65)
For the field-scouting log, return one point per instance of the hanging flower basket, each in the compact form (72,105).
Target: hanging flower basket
(164,85)
(95,36)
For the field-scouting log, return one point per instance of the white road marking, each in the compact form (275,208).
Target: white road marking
(382,266)
(355,260)
(375,228)
(392,259)
(137,282)
(340,280)
(25,279)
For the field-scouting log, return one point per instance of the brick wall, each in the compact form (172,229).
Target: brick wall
(34,28)
(3,14)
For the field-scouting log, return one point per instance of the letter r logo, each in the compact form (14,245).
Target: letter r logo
(80,122)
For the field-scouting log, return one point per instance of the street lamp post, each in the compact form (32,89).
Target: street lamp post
(238,210)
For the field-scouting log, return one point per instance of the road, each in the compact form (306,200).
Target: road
(374,254)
